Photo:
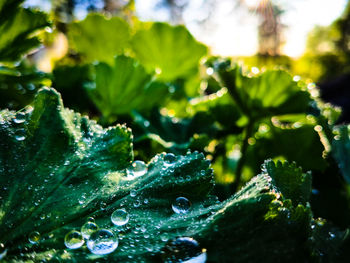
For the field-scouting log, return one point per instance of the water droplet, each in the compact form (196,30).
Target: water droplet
(88,228)
(169,159)
(20,118)
(73,239)
(331,235)
(181,205)
(146,123)
(137,203)
(183,249)
(20,135)
(138,168)
(3,251)
(91,219)
(82,199)
(120,217)
(102,242)
(164,237)
(133,193)
(148,247)
(34,237)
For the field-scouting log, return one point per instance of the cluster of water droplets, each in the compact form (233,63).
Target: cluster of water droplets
(99,241)
(19,119)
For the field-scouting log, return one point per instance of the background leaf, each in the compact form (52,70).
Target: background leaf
(124,87)
(171,50)
(341,151)
(113,37)
(271,93)
(17,26)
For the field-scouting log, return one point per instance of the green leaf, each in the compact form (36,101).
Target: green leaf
(112,39)
(70,81)
(272,93)
(18,86)
(341,151)
(171,50)
(290,181)
(175,134)
(17,26)
(67,168)
(298,144)
(124,87)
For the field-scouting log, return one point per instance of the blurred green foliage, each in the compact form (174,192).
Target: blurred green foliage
(18,30)
(327,50)
(112,39)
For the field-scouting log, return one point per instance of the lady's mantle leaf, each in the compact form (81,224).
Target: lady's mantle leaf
(17,26)
(124,87)
(58,168)
(172,51)
(271,93)
(341,151)
(113,37)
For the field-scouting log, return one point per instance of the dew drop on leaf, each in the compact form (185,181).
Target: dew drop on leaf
(183,249)
(102,242)
(120,217)
(169,159)
(20,135)
(20,118)
(34,237)
(73,239)
(164,236)
(3,251)
(133,193)
(181,205)
(137,168)
(88,228)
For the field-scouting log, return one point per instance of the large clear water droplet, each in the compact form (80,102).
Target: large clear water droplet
(164,236)
(133,193)
(181,205)
(102,242)
(20,118)
(169,159)
(3,251)
(120,217)
(183,249)
(34,237)
(137,168)
(88,228)
(20,135)
(73,239)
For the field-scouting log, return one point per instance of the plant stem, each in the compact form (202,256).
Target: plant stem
(240,165)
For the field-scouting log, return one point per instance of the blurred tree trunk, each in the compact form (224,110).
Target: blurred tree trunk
(63,10)
(270,30)
(123,8)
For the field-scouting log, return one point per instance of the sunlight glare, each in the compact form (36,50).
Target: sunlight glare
(252,3)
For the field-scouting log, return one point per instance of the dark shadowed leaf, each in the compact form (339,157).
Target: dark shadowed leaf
(18,86)
(341,151)
(17,27)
